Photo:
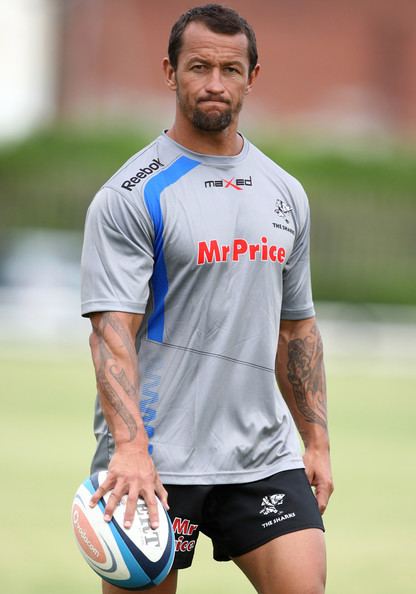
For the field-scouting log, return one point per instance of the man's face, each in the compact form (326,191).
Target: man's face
(212,77)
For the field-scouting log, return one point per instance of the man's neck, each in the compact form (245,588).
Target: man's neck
(227,142)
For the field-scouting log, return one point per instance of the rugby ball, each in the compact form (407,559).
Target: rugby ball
(135,558)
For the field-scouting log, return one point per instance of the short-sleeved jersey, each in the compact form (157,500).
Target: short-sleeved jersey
(214,251)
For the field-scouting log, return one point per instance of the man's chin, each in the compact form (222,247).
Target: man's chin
(212,121)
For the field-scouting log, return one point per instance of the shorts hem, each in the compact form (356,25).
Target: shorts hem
(264,540)
(229,478)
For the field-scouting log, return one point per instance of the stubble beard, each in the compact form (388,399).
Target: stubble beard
(208,121)
(211,121)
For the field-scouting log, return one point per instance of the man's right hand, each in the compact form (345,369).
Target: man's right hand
(131,473)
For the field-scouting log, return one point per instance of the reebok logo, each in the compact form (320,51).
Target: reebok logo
(229,183)
(129,184)
(212,251)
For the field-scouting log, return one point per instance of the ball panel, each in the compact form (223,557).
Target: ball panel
(86,537)
(170,556)
(113,562)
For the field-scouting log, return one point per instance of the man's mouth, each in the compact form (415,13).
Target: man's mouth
(214,101)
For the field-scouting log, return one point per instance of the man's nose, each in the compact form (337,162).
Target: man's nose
(215,84)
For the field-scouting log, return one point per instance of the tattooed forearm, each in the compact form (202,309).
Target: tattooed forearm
(107,391)
(109,319)
(306,375)
(123,380)
(111,376)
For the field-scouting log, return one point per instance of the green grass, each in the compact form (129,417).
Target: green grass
(46,445)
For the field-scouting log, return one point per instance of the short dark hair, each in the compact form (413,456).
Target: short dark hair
(216,18)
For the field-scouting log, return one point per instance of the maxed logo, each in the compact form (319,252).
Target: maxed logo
(129,184)
(229,183)
(212,251)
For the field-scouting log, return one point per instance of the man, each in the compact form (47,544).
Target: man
(195,269)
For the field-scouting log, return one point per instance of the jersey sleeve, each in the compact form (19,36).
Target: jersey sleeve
(297,301)
(117,255)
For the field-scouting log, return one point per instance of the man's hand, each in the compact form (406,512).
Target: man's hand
(318,470)
(131,473)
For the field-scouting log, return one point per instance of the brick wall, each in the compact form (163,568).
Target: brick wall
(346,65)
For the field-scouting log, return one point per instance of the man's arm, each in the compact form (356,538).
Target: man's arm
(301,378)
(131,470)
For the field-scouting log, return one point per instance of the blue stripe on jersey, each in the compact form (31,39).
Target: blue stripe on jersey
(152,193)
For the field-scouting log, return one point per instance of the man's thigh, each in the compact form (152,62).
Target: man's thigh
(293,563)
(245,516)
(168,586)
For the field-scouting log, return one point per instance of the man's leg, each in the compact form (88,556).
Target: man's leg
(168,586)
(293,563)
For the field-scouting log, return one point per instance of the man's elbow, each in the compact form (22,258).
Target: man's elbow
(290,329)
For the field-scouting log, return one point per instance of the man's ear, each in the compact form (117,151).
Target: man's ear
(252,78)
(170,74)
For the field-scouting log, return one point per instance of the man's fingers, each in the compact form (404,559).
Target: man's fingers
(113,501)
(322,503)
(151,504)
(131,506)
(101,491)
(131,490)
(310,475)
(323,493)
(162,494)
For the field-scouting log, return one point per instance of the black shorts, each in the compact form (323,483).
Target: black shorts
(240,517)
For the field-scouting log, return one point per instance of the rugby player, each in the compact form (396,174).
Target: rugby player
(196,279)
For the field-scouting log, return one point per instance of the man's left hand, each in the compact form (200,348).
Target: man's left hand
(318,470)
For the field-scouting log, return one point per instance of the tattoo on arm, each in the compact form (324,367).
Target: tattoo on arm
(108,392)
(306,374)
(123,380)
(109,319)
(106,363)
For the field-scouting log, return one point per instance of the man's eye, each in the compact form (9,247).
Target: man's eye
(231,69)
(198,67)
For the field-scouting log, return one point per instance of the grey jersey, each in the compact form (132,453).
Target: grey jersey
(214,251)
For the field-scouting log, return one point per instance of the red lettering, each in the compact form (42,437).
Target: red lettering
(225,251)
(254,248)
(211,251)
(180,526)
(182,546)
(240,247)
(192,528)
(208,253)
(264,254)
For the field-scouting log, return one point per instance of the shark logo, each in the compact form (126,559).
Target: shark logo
(281,209)
(270,503)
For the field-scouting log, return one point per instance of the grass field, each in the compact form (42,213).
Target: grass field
(46,444)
